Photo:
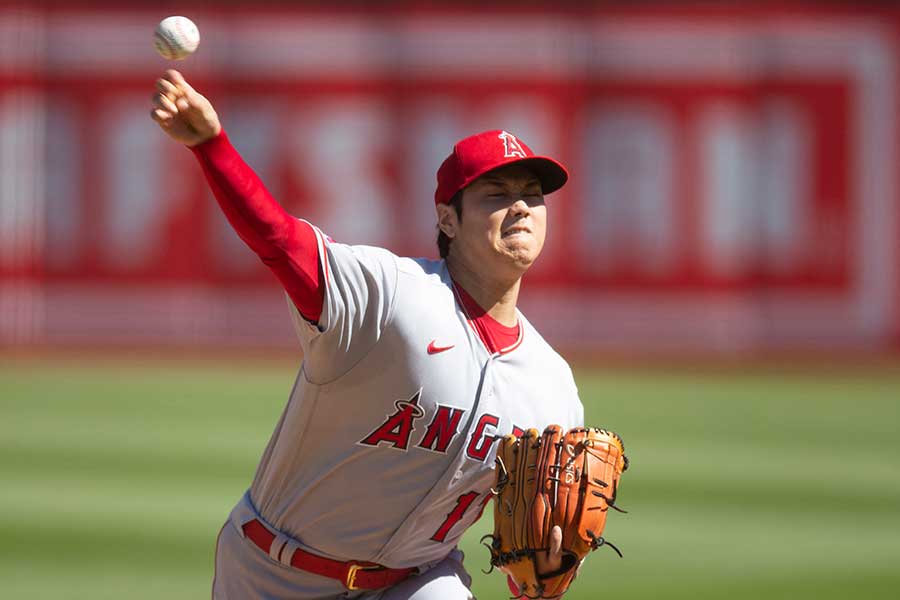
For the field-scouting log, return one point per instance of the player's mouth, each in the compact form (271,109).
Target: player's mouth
(515,230)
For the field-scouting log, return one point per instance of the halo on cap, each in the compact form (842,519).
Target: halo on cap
(484,152)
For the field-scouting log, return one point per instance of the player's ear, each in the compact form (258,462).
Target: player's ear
(448,222)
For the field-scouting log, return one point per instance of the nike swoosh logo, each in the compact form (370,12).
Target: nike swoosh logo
(435,349)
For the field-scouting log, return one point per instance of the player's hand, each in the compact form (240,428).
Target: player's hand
(548,561)
(183,113)
(551,560)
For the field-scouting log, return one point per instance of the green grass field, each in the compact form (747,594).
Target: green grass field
(117,475)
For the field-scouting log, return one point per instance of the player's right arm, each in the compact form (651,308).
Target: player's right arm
(342,294)
(285,244)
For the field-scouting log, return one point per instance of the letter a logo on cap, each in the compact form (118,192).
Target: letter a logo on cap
(511,146)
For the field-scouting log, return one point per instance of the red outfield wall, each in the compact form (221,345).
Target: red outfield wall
(734,173)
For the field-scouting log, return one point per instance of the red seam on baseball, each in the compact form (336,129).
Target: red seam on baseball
(168,44)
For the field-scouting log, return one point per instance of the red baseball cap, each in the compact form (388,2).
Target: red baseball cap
(475,155)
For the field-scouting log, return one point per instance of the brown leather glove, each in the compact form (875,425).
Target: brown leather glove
(567,479)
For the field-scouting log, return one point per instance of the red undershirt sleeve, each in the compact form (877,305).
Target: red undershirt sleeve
(284,244)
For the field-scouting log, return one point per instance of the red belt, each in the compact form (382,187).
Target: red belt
(355,575)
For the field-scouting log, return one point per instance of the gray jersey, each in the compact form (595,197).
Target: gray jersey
(385,451)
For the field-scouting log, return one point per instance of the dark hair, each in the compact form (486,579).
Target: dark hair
(443,242)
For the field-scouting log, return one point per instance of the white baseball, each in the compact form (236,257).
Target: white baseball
(176,38)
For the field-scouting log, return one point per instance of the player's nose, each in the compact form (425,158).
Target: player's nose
(520,207)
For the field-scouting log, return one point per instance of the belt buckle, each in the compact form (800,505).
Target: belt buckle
(350,581)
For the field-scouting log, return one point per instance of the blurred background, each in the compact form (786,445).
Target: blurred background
(722,270)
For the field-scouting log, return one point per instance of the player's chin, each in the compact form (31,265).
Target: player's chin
(523,254)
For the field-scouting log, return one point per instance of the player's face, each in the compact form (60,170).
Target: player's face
(504,220)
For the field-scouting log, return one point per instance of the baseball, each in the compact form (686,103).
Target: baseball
(176,38)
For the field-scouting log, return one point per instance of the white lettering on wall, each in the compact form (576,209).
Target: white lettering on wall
(139,192)
(339,146)
(754,190)
(628,217)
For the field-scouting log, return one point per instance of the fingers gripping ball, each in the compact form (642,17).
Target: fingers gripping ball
(176,38)
(569,479)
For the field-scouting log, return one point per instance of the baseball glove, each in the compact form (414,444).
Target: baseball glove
(559,478)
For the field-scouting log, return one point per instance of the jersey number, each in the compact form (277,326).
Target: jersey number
(455,515)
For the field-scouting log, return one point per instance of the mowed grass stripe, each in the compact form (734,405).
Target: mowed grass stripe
(116,541)
(104,446)
(232,393)
(71,579)
(830,471)
(128,500)
(694,402)
(97,464)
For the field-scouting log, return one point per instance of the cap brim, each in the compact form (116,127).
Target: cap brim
(550,173)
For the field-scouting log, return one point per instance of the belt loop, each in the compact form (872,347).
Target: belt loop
(238,522)
(277,546)
(287,553)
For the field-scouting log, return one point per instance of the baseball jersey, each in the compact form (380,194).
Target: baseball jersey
(385,449)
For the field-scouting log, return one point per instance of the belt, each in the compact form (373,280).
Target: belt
(355,575)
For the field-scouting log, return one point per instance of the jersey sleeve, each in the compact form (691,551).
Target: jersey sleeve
(360,283)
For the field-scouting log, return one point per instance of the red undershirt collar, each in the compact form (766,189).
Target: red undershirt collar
(495,336)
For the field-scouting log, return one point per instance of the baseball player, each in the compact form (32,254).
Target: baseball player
(412,369)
